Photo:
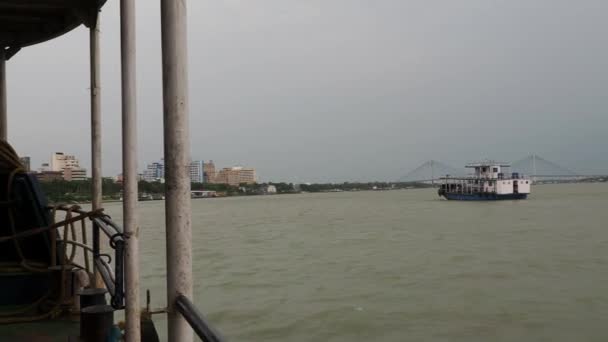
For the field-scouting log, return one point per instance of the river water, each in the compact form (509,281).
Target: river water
(394,266)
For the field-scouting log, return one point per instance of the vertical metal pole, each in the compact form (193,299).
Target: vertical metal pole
(95,131)
(118,299)
(95,116)
(129,168)
(96,250)
(3,106)
(177,163)
(534,168)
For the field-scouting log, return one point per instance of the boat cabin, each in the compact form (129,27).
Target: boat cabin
(489,169)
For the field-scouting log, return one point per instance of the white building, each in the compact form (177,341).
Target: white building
(61,161)
(68,165)
(197,171)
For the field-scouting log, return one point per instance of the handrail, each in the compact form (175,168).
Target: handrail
(196,320)
(104,270)
(113,279)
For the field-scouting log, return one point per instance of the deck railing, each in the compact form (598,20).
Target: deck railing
(113,278)
(196,320)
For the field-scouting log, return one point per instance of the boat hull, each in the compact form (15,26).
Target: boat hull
(483,196)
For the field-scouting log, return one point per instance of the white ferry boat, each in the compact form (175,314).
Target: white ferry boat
(488,183)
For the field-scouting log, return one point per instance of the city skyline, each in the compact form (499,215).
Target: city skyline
(395,84)
(203,172)
(206,172)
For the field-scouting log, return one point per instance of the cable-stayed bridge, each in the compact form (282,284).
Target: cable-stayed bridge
(533,166)
(536,166)
(431,170)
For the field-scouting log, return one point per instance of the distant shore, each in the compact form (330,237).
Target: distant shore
(79,191)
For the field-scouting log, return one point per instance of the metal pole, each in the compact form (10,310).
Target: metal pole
(129,168)
(534,168)
(96,252)
(177,163)
(3,106)
(95,116)
(95,128)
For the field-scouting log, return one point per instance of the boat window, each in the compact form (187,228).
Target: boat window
(495,169)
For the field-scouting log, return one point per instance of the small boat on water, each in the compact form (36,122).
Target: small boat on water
(488,183)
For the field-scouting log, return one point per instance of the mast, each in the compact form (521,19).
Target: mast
(177,162)
(534,168)
(432,173)
(129,168)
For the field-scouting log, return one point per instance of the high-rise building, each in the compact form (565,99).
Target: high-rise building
(25,161)
(236,175)
(196,171)
(68,165)
(155,172)
(60,161)
(209,172)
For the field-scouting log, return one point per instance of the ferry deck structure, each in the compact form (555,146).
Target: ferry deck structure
(488,182)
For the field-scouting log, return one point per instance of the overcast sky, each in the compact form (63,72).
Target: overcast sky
(332,90)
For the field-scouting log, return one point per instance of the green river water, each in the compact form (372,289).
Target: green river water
(394,266)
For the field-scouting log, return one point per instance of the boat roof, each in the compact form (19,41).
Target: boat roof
(29,22)
(487,163)
(448,177)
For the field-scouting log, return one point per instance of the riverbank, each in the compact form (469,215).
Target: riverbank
(60,191)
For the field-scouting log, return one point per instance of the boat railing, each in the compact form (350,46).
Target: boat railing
(94,259)
(113,279)
(484,178)
(74,262)
(197,321)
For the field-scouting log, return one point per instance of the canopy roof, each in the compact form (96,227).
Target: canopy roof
(28,22)
(487,163)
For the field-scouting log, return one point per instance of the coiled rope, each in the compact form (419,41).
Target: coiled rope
(10,161)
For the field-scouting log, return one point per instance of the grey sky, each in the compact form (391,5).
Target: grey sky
(336,90)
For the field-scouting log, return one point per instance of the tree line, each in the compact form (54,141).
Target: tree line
(80,191)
